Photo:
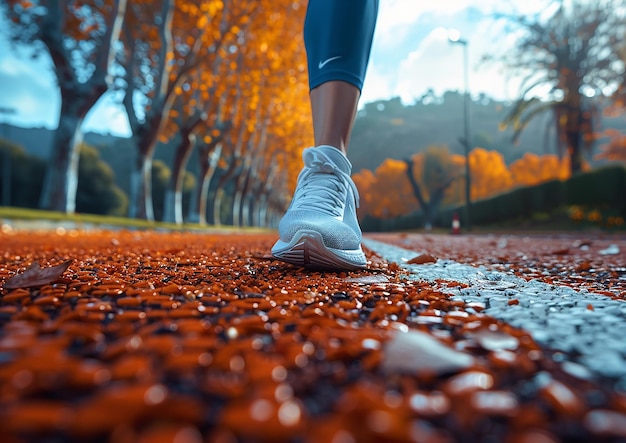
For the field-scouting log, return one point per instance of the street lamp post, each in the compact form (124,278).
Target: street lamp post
(454,37)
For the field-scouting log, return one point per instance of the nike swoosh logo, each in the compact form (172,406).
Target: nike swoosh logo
(328,60)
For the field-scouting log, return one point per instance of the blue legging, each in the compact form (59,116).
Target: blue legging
(338,39)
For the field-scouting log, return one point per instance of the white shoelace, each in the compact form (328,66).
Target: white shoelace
(322,185)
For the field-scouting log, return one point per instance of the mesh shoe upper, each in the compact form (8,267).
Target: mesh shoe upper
(325,200)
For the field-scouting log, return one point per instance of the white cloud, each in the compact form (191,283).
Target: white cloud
(399,13)
(396,17)
(432,62)
(437,64)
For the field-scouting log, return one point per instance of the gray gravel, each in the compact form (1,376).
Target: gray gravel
(556,316)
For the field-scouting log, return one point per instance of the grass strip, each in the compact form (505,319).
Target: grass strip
(86,220)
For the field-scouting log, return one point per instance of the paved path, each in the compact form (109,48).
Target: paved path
(588,326)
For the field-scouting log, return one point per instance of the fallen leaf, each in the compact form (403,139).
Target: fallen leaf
(35,275)
(421,259)
(417,352)
(563,251)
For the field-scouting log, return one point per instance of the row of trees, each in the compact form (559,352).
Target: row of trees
(435,177)
(97,191)
(225,77)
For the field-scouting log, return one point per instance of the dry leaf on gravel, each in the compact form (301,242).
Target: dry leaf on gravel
(421,259)
(416,352)
(35,275)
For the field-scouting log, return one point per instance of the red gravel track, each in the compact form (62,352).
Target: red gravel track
(174,337)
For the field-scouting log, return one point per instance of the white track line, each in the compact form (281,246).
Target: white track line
(556,316)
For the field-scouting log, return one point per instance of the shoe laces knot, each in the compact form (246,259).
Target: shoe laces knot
(323,185)
(322,164)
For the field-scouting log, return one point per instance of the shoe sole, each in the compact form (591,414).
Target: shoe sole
(307,249)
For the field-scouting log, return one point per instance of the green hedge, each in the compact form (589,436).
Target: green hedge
(97,192)
(25,173)
(601,188)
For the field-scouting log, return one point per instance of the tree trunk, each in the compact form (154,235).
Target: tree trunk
(246,212)
(259,211)
(145,133)
(241,188)
(429,208)
(236,209)
(251,195)
(573,140)
(61,179)
(417,192)
(77,98)
(217,207)
(208,166)
(174,194)
(250,208)
(204,196)
(141,189)
(232,171)
(192,212)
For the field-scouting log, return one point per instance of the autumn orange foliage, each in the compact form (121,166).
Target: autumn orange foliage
(533,169)
(489,173)
(615,149)
(386,192)
(235,72)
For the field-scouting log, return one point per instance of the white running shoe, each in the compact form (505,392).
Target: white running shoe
(320,228)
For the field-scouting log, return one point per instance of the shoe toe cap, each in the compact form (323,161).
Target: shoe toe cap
(335,233)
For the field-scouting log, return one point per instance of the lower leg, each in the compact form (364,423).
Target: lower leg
(334,106)
(338,38)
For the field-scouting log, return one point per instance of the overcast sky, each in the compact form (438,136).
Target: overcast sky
(411,54)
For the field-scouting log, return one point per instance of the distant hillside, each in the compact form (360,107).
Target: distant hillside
(389,129)
(36,141)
